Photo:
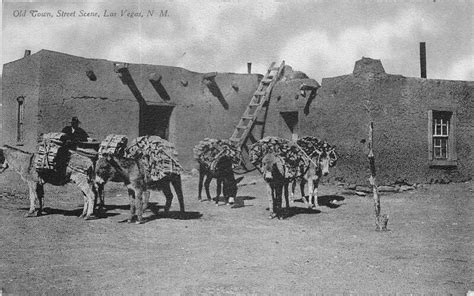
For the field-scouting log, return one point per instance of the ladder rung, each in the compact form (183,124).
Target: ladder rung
(242,126)
(254,104)
(274,69)
(234,139)
(266,80)
(247,116)
(260,93)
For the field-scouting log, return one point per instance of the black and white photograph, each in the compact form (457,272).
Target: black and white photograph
(237,147)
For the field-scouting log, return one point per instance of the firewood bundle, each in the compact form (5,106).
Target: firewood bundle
(113,145)
(295,160)
(50,151)
(158,155)
(208,151)
(311,144)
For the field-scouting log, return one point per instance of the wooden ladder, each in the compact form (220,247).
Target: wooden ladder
(256,111)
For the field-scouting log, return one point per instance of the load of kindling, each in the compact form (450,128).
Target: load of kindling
(209,151)
(158,155)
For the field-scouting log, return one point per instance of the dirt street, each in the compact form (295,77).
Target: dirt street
(237,250)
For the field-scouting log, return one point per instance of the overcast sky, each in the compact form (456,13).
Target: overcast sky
(321,38)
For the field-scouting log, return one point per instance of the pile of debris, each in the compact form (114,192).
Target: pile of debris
(296,161)
(209,151)
(158,155)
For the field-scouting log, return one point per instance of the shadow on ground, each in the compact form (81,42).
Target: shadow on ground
(325,200)
(157,214)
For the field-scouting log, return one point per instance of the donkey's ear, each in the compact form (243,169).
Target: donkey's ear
(237,181)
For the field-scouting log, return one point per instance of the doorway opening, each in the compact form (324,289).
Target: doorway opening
(291,120)
(155,120)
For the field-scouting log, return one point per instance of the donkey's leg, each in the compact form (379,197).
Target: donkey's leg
(315,190)
(100,196)
(270,193)
(85,184)
(169,196)
(285,188)
(201,179)
(292,192)
(207,182)
(33,196)
(146,199)
(139,205)
(40,197)
(178,188)
(220,181)
(131,199)
(311,192)
(89,201)
(278,200)
(302,184)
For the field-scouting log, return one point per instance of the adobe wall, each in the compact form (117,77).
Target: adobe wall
(399,109)
(20,79)
(110,104)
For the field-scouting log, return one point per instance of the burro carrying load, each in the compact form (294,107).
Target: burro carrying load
(209,151)
(296,162)
(158,155)
(54,155)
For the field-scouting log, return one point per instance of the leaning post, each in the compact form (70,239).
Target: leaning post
(380,220)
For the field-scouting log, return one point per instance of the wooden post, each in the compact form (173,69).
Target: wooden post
(380,220)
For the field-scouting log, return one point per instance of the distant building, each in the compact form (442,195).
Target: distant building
(423,127)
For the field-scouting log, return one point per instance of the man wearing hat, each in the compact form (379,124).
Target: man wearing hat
(74,133)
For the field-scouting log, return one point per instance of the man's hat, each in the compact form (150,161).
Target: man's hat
(75,120)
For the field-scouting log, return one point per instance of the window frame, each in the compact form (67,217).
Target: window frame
(451,156)
(20,121)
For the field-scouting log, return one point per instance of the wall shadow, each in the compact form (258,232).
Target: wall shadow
(216,92)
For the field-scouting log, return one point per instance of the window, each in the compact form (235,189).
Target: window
(442,150)
(20,120)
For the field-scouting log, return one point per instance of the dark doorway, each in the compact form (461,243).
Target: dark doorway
(155,120)
(291,120)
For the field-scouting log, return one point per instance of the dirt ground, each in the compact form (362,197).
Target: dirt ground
(237,250)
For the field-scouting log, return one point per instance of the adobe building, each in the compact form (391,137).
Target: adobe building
(42,91)
(423,127)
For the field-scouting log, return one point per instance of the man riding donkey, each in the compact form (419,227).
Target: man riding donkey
(56,162)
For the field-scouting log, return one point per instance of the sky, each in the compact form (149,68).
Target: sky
(320,38)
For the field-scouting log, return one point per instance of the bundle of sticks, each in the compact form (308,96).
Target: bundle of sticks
(50,151)
(208,151)
(295,160)
(113,145)
(158,155)
(310,145)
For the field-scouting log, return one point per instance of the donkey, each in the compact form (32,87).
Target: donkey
(221,170)
(319,164)
(133,174)
(275,174)
(23,163)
